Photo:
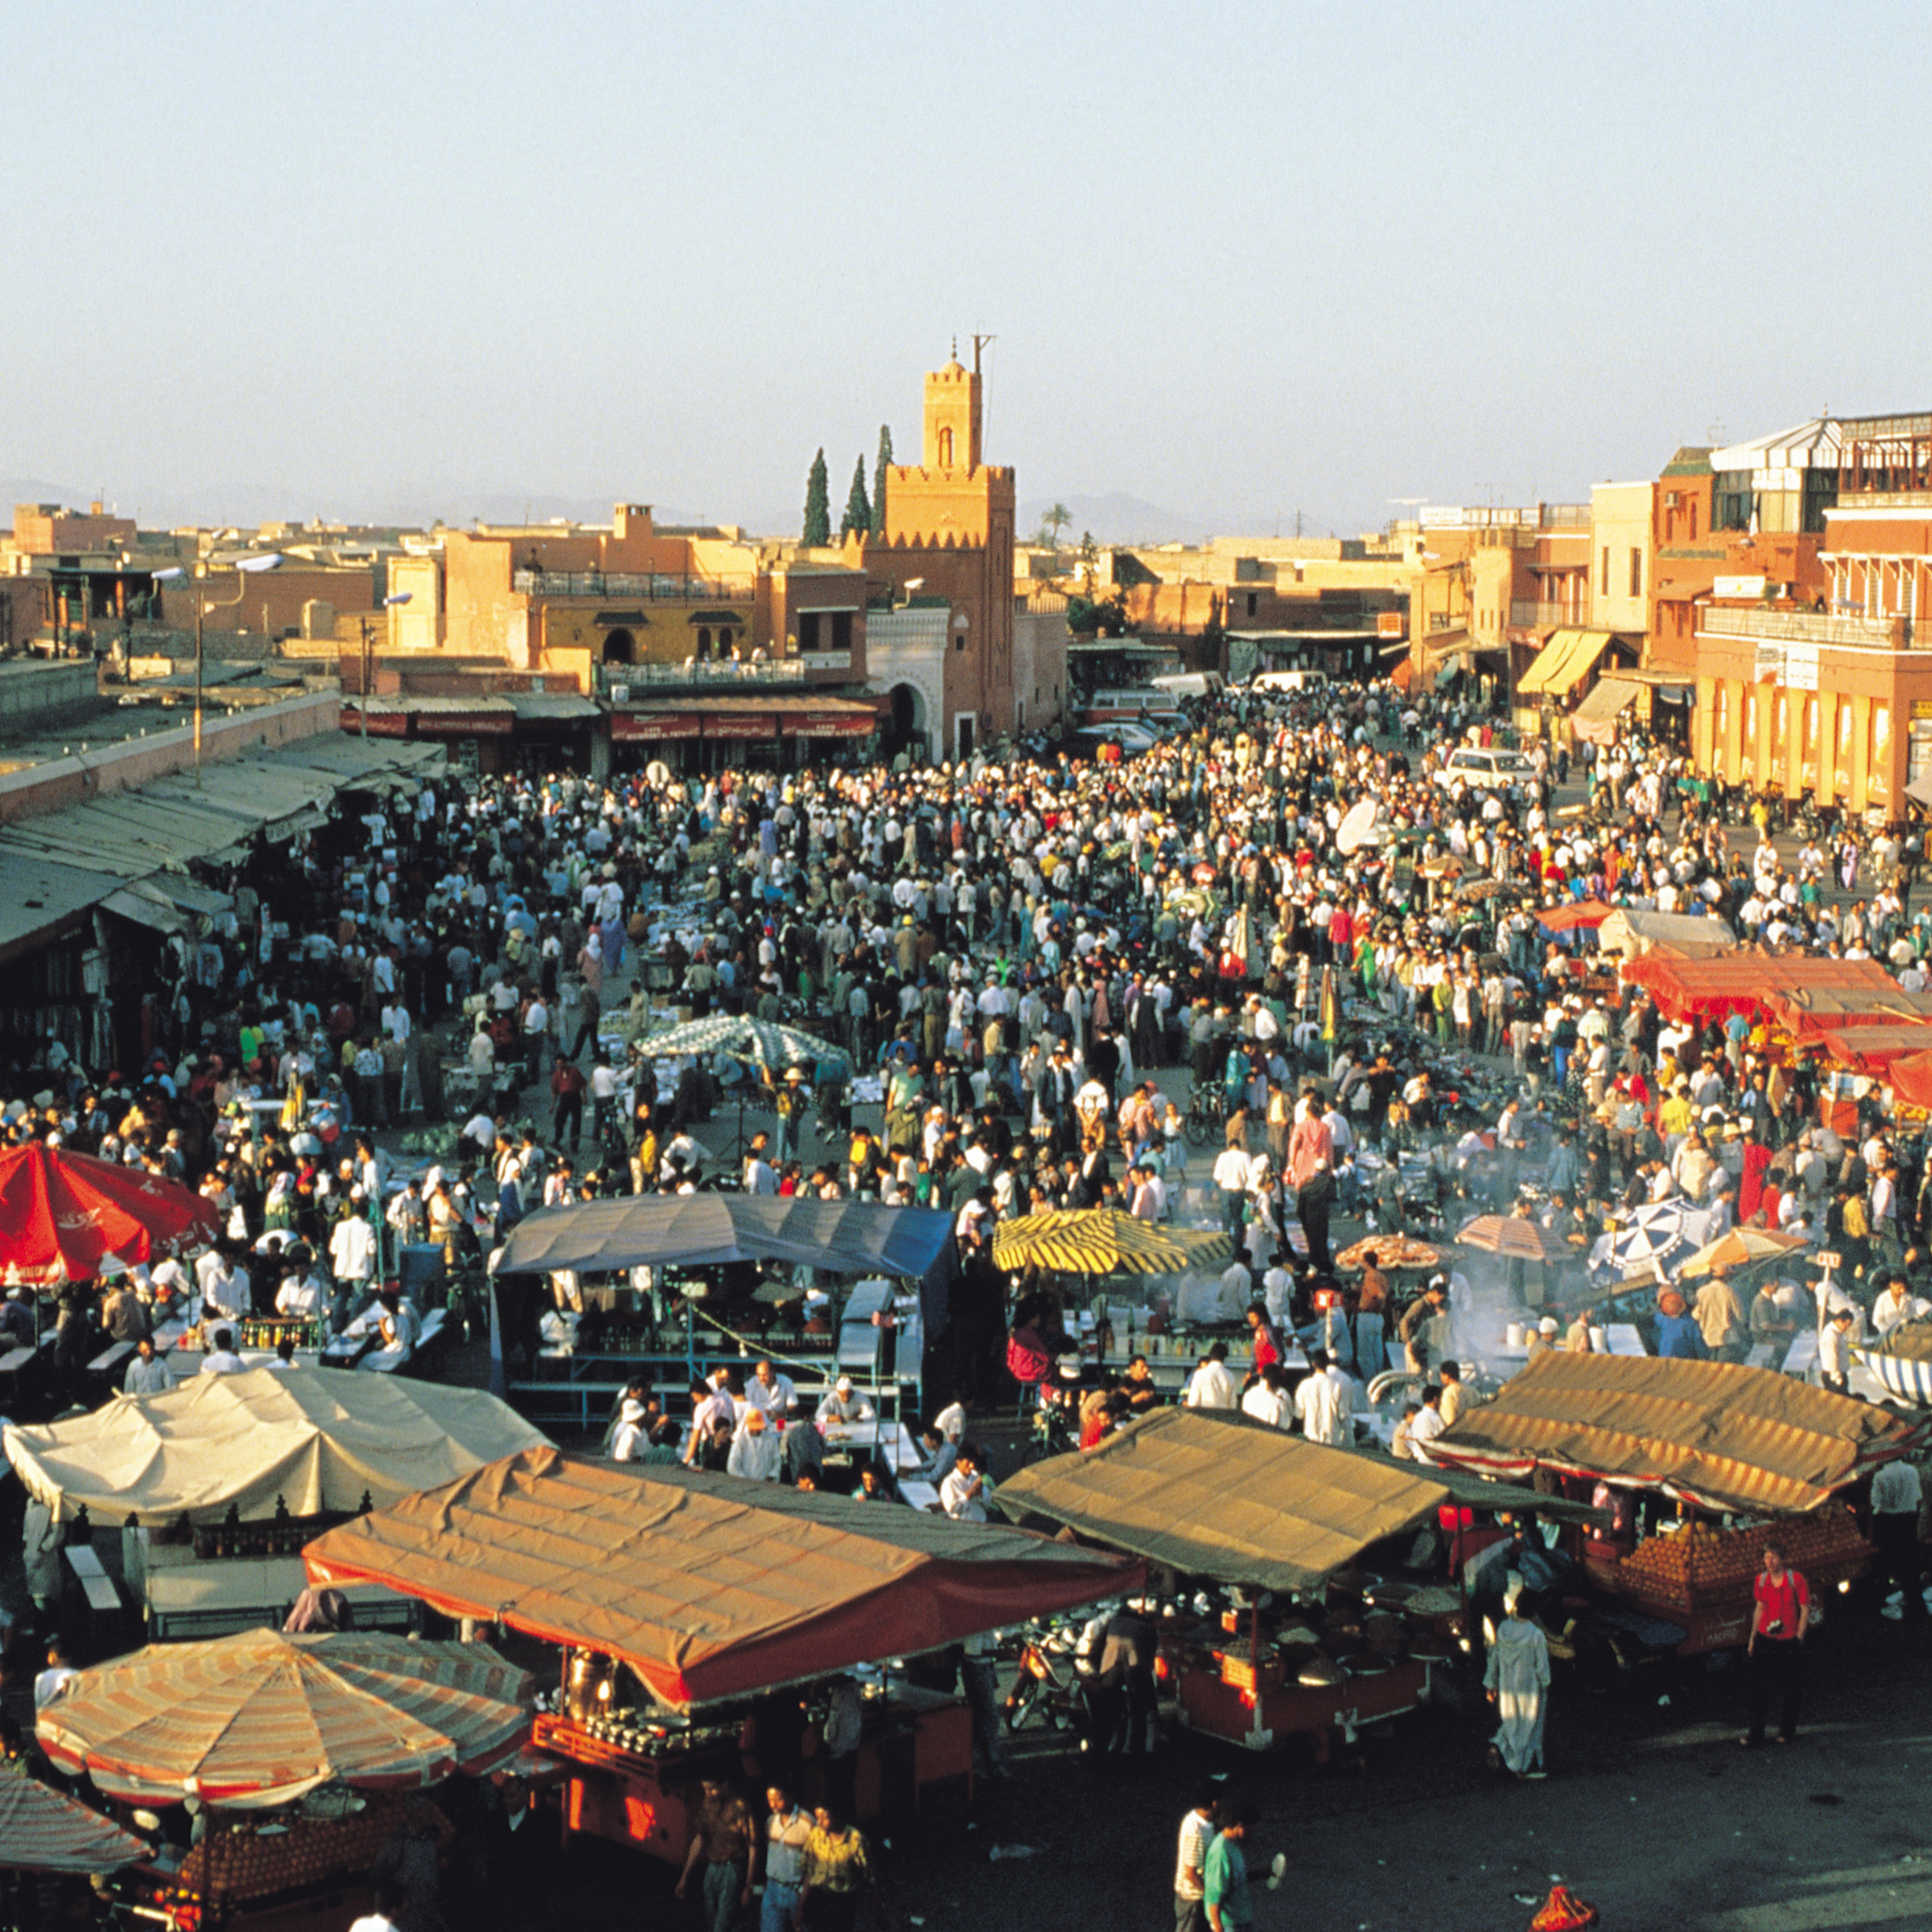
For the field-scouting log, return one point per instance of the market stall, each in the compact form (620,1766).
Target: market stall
(686,1234)
(1747,983)
(215,1485)
(1765,1454)
(683,1603)
(1313,1647)
(279,1738)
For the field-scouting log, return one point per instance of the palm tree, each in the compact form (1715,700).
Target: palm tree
(1055,521)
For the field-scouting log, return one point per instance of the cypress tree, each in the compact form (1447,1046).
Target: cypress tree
(818,503)
(881,463)
(857,509)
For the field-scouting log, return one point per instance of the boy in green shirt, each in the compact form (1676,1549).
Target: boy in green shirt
(1225,1874)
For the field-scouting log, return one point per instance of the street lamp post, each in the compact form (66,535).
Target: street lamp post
(244,568)
(391,602)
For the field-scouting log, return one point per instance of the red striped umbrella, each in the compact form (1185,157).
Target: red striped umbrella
(60,1213)
(42,1831)
(260,1717)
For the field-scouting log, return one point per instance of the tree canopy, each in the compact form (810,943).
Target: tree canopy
(857,505)
(881,463)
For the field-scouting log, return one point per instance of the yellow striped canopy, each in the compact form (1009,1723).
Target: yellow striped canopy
(1103,1240)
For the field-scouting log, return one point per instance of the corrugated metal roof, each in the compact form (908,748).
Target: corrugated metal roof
(37,894)
(1717,1434)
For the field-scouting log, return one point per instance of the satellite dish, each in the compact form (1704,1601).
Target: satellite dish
(1358,829)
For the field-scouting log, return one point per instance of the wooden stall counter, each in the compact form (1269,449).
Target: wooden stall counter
(1217,1702)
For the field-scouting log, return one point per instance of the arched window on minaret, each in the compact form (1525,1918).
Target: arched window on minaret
(945,449)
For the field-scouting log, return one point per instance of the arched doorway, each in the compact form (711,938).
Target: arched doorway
(619,647)
(909,725)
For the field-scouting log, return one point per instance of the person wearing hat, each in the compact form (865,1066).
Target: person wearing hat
(1678,1337)
(1719,1317)
(1517,1678)
(844,1405)
(1544,1340)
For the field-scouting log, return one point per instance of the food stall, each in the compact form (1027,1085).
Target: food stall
(687,1234)
(43,1833)
(691,1612)
(1762,1452)
(215,1485)
(1313,1645)
(299,1750)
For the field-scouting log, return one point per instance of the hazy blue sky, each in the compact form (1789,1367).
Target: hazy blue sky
(1240,260)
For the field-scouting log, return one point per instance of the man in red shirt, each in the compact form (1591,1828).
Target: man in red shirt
(1775,1653)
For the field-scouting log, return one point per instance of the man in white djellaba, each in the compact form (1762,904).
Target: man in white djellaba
(1518,1681)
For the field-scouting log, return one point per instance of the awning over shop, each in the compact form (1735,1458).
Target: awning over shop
(551,708)
(314,1440)
(1569,656)
(709,1587)
(40,898)
(856,722)
(706,1230)
(1596,717)
(43,1831)
(1748,982)
(1809,1016)
(1719,1435)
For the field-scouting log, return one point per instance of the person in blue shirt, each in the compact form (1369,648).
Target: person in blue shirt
(1225,1874)
(1678,1336)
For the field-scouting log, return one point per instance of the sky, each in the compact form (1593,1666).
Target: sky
(372,260)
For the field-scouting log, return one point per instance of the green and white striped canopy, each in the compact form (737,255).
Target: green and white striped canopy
(773,1043)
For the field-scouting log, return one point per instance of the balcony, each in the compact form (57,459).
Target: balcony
(1526,613)
(1806,627)
(654,586)
(808,666)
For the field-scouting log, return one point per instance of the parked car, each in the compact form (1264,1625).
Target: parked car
(1489,769)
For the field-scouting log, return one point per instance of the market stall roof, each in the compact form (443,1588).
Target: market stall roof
(1573,912)
(1871,1050)
(1719,1435)
(1910,1079)
(1808,1016)
(1747,982)
(702,1230)
(43,1831)
(1569,656)
(709,1587)
(312,1438)
(261,1717)
(1632,931)
(1225,1497)
(1596,717)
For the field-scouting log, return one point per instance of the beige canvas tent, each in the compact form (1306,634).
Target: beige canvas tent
(1630,932)
(315,1438)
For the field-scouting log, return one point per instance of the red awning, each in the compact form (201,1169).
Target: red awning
(829,725)
(463,724)
(1579,912)
(1747,982)
(709,1587)
(378,724)
(1403,674)
(741,725)
(1910,1079)
(635,728)
(1871,1050)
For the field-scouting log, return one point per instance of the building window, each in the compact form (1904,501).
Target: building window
(1254,603)
(1693,520)
(842,632)
(945,449)
(1605,591)
(1636,573)
(807,631)
(705,644)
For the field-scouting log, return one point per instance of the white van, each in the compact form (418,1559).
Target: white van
(1191,684)
(1158,708)
(1289,680)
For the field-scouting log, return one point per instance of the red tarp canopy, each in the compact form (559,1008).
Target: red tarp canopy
(60,1213)
(1873,1049)
(1578,912)
(1809,1016)
(1910,1079)
(1748,982)
(709,1587)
